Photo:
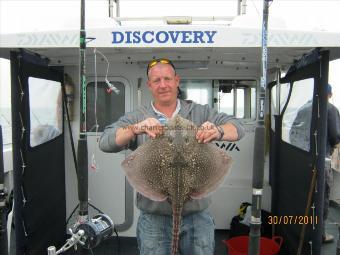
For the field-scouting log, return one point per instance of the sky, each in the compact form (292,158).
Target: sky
(23,16)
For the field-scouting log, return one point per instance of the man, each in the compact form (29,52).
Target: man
(131,130)
(333,138)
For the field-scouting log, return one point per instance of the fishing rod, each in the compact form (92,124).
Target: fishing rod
(259,145)
(82,141)
(87,232)
(100,226)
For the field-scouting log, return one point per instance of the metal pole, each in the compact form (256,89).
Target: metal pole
(110,8)
(51,250)
(239,3)
(117,8)
(278,92)
(259,146)
(3,195)
(82,142)
(244,7)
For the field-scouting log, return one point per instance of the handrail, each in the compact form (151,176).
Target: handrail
(176,19)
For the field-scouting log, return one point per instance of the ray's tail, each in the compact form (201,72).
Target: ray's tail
(176,227)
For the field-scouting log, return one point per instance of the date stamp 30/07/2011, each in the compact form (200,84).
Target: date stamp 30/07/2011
(292,219)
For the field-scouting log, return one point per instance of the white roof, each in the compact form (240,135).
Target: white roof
(235,42)
(184,36)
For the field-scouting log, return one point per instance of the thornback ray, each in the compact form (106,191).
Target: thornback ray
(175,167)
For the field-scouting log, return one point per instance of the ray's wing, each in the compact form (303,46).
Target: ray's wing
(145,170)
(212,166)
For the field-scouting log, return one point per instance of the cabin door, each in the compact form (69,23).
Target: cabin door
(108,188)
(297,154)
(38,154)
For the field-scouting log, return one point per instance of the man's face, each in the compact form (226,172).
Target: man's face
(163,83)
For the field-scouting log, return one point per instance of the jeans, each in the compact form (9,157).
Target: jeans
(154,234)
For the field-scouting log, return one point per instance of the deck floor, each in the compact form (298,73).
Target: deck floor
(128,245)
(332,222)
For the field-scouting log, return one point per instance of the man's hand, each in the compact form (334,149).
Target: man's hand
(150,126)
(207,132)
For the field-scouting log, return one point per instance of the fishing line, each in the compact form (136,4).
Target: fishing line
(111,88)
(258,13)
(94,165)
(108,83)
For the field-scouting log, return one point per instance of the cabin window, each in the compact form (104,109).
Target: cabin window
(240,103)
(253,103)
(333,79)
(284,92)
(273,110)
(233,97)
(237,98)
(199,91)
(226,102)
(46,110)
(296,121)
(109,105)
(5,102)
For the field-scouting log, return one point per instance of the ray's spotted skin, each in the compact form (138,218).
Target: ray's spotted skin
(176,167)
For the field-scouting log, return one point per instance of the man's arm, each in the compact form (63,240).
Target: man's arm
(209,132)
(232,128)
(333,125)
(124,135)
(107,142)
(116,136)
(230,132)
(150,126)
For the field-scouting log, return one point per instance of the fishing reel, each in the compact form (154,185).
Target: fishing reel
(95,230)
(88,234)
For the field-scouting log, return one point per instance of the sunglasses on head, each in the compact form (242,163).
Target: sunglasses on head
(159,60)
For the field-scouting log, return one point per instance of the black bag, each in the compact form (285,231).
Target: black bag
(237,228)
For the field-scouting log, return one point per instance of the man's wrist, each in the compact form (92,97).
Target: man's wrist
(133,130)
(221,131)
